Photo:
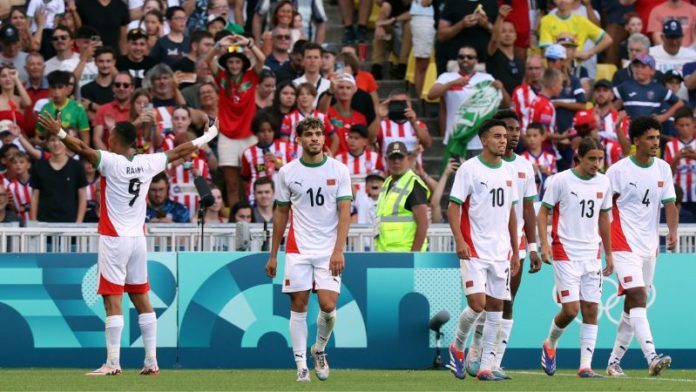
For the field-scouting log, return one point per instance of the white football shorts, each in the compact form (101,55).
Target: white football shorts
(309,272)
(486,276)
(633,270)
(578,280)
(122,263)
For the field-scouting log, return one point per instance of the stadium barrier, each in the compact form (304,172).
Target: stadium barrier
(220,310)
(182,237)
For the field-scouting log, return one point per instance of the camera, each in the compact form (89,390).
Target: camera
(397,110)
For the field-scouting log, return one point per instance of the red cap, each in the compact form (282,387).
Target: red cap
(584,118)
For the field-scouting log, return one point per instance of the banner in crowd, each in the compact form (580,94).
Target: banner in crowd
(225,312)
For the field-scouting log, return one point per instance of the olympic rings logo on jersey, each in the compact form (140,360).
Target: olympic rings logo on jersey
(611,305)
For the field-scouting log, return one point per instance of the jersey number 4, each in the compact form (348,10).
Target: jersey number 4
(315,199)
(134,189)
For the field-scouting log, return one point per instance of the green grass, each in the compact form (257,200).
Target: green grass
(341,380)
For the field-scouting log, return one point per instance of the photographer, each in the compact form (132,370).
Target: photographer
(401,124)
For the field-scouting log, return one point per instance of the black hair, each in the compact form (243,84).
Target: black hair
(58,78)
(259,119)
(298,46)
(86,32)
(126,132)
(309,123)
(162,176)
(198,36)
(490,123)
(7,147)
(641,125)
(63,28)
(312,46)
(537,125)
(240,206)
(588,144)
(104,49)
(683,112)
(171,10)
(264,181)
(505,114)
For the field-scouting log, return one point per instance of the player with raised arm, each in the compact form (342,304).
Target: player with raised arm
(122,258)
(314,192)
(484,225)
(526,232)
(580,199)
(640,183)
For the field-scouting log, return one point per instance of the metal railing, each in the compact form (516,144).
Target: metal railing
(83,238)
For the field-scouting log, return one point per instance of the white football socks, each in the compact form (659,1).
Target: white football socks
(474,353)
(641,328)
(325,325)
(624,335)
(505,329)
(466,321)
(490,336)
(148,329)
(554,334)
(588,339)
(298,337)
(114,327)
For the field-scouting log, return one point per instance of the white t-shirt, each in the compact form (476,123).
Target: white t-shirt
(313,190)
(53,8)
(639,192)
(665,62)
(576,203)
(486,194)
(454,99)
(526,189)
(124,187)
(89,72)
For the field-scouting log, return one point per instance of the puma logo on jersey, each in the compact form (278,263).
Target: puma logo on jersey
(298,183)
(484,184)
(633,184)
(575,194)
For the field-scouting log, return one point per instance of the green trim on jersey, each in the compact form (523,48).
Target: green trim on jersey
(606,209)
(344,198)
(534,197)
(491,165)
(584,178)
(643,165)
(547,205)
(670,200)
(515,202)
(455,200)
(511,159)
(98,159)
(307,164)
(282,203)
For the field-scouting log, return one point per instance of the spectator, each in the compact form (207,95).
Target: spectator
(58,186)
(524,94)
(423,42)
(264,196)
(312,70)
(294,68)
(543,111)
(313,17)
(604,111)
(457,87)
(682,12)
(543,162)
(36,87)
(619,18)
(284,100)
(577,70)
(265,158)
(12,104)
(109,17)
(18,185)
(401,124)
(365,80)
(672,81)
(643,96)
(91,191)
(280,47)
(436,200)
(31,34)
(351,34)
(265,90)
(65,59)
(242,211)
(392,35)
(680,153)
(341,115)
(200,44)
(12,53)
(7,151)
(72,114)
(161,83)
(148,123)
(329,52)
(154,26)
(136,61)
(501,62)
(216,212)
(172,47)
(208,99)
(359,160)
(162,209)
(634,25)
(203,76)
(463,24)
(6,214)
(237,83)
(670,54)
(115,111)
(638,44)
(403,220)
(139,9)
(86,69)
(585,124)
(282,18)
(365,203)
(100,91)
(306,95)
(216,25)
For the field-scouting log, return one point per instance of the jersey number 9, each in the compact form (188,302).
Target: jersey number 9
(134,189)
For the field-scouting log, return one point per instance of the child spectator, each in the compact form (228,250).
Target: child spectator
(680,153)
(72,114)
(18,184)
(265,158)
(342,115)
(306,95)
(544,162)
(6,214)
(360,162)
(365,203)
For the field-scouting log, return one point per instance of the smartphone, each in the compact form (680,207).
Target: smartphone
(149,105)
(397,110)
(456,158)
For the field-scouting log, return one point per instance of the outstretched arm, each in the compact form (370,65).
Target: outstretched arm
(78,146)
(184,150)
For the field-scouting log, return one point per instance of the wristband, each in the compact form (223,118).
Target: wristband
(62,134)
(207,137)
(532,247)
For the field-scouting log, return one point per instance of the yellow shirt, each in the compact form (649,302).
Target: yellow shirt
(581,27)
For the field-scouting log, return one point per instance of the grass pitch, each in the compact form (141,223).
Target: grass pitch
(341,380)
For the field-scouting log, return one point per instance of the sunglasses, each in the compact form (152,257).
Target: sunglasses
(283,37)
(61,37)
(467,57)
(121,85)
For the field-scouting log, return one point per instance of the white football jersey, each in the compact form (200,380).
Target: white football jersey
(576,203)
(638,193)
(486,193)
(526,190)
(313,190)
(124,187)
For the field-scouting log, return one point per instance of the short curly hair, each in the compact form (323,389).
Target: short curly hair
(309,123)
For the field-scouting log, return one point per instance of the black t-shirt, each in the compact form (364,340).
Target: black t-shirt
(106,19)
(397,7)
(185,65)
(169,52)
(477,37)
(156,102)
(418,196)
(96,93)
(509,72)
(287,73)
(58,190)
(138,70)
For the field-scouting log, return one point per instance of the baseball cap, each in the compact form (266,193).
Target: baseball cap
(645,59)
(672,29)
(9,34)
(5,127)
(397,148)
(584,118)
(672,74)
(602,83)
(136,34)
(566,39)
(555,52)
(360,129)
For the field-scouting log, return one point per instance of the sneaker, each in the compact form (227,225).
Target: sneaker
(151,370)
(456,364)
(588,373)
(348,35)
(303,375)
(361,35)
(472,367)
(614,370)
(487,375)
(105,370)
(500,372)
(321,365)
(658,364)
(548,359)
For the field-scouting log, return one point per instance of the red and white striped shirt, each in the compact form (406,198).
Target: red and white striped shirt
(360,166)
(254,164)
(522,97)
(685,172)
(392,131)
(21,197)
(612,152)
(546,160)
(146,147)
(91,188)
(181,188)
(287,128)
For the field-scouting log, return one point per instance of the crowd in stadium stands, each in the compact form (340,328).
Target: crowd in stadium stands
(568,68)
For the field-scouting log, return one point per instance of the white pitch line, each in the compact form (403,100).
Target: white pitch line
(619,378)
